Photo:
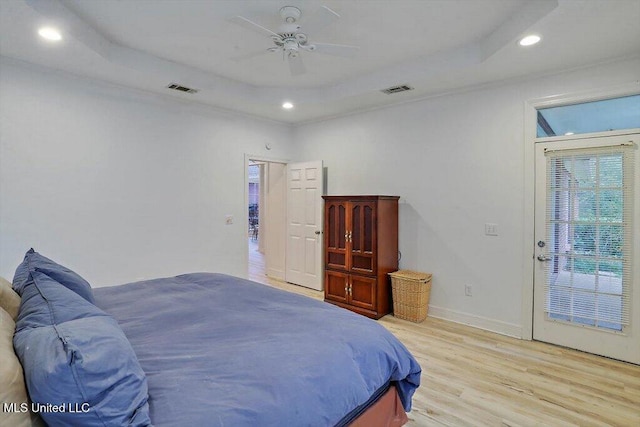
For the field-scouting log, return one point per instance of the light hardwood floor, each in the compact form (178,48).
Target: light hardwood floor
(472,377)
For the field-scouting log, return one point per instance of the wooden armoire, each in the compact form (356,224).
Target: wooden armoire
(360,249)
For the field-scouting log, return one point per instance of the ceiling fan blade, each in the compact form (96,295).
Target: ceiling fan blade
(316,22)
(345,51)
(296,66)
(249,55)
(250,25)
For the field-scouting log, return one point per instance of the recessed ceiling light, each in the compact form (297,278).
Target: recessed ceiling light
(529,40)
(50,34)
(287,105)
(569,133)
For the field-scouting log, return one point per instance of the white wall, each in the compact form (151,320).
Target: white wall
(457,161)
(123,185)
(118,184)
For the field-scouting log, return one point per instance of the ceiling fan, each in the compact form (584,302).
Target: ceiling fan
(291,39)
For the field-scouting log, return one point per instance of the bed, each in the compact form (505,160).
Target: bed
(218,350)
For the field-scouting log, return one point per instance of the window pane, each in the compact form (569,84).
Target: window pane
(611,206)
(611,241)
(610,311)
(584,239)
(610,277)
(583,172)
(611,171)
(596,116)
(586,206)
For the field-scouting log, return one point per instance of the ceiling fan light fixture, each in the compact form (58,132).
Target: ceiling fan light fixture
(290,45)
(50,33)
(290,14)
(287,105)
(529,40)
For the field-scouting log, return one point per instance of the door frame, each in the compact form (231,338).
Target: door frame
(530,138)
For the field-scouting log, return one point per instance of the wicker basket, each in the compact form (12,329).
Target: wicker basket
(411,291)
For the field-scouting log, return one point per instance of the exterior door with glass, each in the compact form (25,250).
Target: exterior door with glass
(587,272)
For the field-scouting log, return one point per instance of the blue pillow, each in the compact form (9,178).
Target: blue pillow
(76,355)
(33,261)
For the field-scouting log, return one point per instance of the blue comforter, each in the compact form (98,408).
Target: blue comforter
(222,351)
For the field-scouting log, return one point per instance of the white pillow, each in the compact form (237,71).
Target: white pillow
(9,299)
(12,386)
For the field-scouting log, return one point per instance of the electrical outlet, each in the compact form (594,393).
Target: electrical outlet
(491,229)
(228,219)
(468,290)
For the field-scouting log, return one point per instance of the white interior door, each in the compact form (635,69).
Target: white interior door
(587,278)
(304,224)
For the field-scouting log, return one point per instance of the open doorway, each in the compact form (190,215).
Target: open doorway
(257,267)
(266,215)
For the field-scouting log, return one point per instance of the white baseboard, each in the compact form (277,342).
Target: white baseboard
(275,274)
(503,328)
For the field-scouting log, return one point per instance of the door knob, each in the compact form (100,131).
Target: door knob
(544,258)
(317,232)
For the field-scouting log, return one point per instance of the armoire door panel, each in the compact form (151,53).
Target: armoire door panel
(332,227)
(362,263)
(362,257)
(356,232)
(336,236)
(336,286)
(367,229)
(336,260)
(363,292)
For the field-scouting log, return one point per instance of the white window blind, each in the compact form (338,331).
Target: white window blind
(589,234)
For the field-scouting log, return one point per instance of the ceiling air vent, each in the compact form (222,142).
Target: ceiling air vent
(396,89)
(181,88)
